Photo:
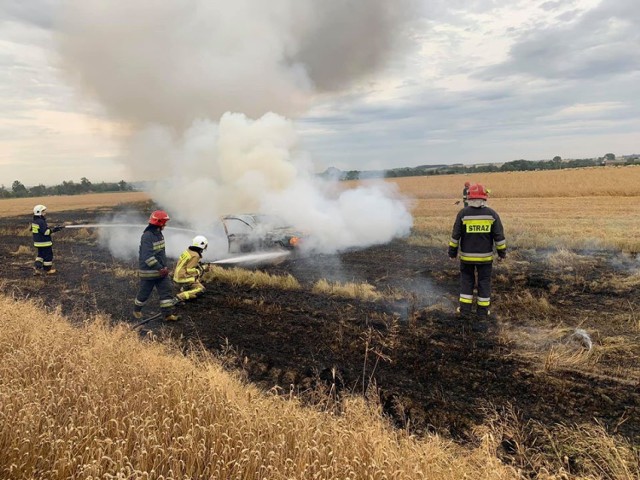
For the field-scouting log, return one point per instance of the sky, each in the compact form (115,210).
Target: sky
(106,90)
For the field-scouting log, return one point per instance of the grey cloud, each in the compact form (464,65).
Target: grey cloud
(602,42)
(568,16)
(32,12)
(448,127)
(552,5)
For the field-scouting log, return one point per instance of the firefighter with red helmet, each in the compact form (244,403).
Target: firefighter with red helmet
(475,232)
(152,268)
(465,193)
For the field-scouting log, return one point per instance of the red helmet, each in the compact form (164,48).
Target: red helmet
(466,184)
(159,218)
(477,192)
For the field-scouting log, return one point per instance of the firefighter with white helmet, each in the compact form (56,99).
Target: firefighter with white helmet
(189,270)
(42,241)
(476,230)
(152,268)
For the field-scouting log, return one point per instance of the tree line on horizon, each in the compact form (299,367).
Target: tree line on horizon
(19,190)
(557,163)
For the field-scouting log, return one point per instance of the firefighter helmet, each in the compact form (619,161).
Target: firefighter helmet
(477,192)
(200,241)
(39,210)
(159,218)
(466,184)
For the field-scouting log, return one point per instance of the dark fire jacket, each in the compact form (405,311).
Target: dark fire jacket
(475,231)
(41,232)
(152,256)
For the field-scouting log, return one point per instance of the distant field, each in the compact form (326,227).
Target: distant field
(10,207)
(588,208)
(579,182)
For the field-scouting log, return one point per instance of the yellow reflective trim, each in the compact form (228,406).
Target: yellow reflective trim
(148,274)
(35,228)
(185,280)
(465,300)
(477,259)
(454,245)
(151,261)
(42,244)
(501,247)
(483,304)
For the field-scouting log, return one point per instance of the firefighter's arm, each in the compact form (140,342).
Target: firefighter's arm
(456,234)
(499,238)
(192,267)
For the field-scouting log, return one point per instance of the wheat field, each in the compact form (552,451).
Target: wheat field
(589,208)
(10,207)
(97,402)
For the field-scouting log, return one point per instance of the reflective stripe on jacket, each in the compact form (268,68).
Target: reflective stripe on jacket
(41,232)
(475,232)
(152,256)
(186,270)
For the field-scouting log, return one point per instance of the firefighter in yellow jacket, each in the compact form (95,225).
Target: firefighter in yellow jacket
(189,270)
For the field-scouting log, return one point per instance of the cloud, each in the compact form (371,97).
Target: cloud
(602,41)
(37,13)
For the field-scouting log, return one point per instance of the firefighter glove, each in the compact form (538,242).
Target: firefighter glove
(164,271)
(57,228)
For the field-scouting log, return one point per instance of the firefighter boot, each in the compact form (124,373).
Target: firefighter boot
(137,313)
(464,312)
(483,312)
(172,317)
(52,271)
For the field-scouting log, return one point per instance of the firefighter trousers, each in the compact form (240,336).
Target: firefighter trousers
(189,290)
(44,258)
(474,275)
(163,286)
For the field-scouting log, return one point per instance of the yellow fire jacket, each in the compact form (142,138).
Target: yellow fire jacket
(187,270)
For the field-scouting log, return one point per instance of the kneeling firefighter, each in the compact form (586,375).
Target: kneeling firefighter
(189,270)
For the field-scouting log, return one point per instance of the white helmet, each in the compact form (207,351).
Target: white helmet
(39,210)
(200,242)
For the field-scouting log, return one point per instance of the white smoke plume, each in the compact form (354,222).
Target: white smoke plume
(172,72)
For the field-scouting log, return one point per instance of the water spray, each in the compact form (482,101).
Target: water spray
(254,257)
(124,225)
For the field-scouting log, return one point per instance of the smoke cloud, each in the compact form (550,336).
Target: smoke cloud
(174,72)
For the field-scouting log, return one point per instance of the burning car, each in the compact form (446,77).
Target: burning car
(251,231)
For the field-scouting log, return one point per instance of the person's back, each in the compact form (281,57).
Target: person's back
(476,230)
(478,227)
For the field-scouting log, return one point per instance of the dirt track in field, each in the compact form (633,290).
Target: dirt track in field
(431,371)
